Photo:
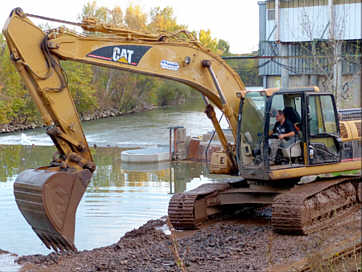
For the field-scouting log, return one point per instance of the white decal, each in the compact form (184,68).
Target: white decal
(130,53)
(169,65)
(116,55)
(122,55)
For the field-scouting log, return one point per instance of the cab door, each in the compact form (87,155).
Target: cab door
(323,138)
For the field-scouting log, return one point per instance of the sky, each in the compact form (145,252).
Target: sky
(235,21)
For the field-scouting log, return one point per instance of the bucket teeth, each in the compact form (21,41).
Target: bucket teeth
(55,242)
(52,243)
(43,239)
(64,246)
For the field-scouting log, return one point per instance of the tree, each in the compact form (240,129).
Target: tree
(164,20)
(135,18)
(327,56)
(116,15)
(94,87)
(207,41)
(80,85)
(16,104)
(247,70)
(172,93)
(224,47)
(91,10)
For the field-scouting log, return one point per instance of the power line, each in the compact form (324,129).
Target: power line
(283,57)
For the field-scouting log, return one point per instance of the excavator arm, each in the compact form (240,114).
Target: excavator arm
(178,57)
(48,196)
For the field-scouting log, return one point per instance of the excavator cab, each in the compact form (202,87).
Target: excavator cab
(314,119)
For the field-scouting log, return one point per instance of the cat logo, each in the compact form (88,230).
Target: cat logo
(125,54)
(122,55)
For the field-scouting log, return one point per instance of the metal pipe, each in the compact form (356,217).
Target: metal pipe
(226,108)
(227,111)
(52,19)
(206,100)
(212,116)
(331,20)
(207,64)
(277,20)
(283,57)
(170,144)
(175,143)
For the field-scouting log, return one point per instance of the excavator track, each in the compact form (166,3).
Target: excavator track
(188,210)
(311,207)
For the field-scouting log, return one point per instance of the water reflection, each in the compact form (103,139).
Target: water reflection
(120,197)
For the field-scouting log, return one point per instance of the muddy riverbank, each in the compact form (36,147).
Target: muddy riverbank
(227,245)
(98,114)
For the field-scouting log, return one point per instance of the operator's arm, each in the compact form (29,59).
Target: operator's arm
(289,130)
(273,130)
(284,135)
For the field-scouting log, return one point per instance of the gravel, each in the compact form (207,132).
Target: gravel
(226,245)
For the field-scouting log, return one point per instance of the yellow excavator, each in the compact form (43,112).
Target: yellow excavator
(301,200)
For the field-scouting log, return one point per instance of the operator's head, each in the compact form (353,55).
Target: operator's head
(280,117)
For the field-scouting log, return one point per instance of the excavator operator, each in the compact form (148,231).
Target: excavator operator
(284,131)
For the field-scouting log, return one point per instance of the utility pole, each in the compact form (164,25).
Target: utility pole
(337,60)
(283,48)
(284,69)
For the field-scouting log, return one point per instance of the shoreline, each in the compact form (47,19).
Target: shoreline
(97,115)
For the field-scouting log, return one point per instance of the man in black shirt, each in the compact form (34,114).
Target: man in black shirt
(286,134)
(285,129)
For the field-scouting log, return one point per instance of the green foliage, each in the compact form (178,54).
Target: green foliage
(224,47)
(164,20)
(94,87)
(116,16)
(15,102)
(172,92)
(128,91)
(80,85)
(91,10)
(3,111)
(207,40)
(247,70)
(135,18)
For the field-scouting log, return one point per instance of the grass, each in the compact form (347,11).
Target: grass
(174,248)
(334,263)
(350,172)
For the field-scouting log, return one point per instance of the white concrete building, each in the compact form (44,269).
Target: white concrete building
(321,41)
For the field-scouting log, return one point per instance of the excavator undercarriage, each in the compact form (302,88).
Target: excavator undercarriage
(298,209)
(300,205)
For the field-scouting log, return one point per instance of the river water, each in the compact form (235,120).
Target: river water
(138,129)
(120,196)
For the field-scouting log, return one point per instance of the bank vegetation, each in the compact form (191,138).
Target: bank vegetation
(100,92)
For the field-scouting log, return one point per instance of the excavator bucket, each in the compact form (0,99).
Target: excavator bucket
(48,200)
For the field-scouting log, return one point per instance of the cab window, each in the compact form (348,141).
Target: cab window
(321,115)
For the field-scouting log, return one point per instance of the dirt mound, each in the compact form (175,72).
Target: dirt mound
(224,246)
